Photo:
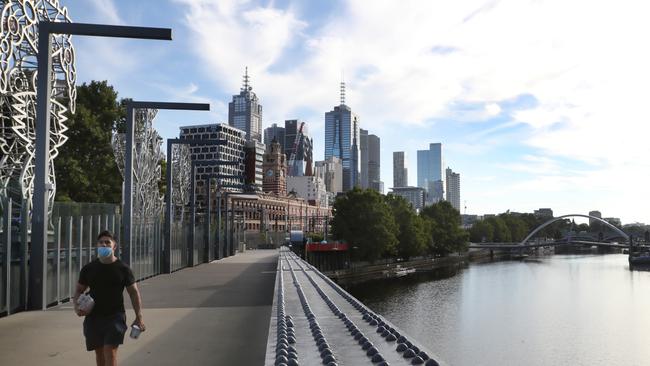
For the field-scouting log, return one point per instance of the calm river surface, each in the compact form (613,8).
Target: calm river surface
(562,310)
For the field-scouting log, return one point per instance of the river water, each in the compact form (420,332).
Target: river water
(561,310)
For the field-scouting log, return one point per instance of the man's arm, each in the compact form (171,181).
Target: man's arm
(134,294)
(78,291)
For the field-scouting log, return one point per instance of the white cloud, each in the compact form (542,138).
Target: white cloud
(492,109)
(105,12)
(408,62)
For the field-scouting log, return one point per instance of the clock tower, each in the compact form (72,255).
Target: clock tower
(275,170)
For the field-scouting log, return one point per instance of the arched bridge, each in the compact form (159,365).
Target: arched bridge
(525,242)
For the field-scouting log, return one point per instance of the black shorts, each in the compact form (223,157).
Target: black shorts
(104,330)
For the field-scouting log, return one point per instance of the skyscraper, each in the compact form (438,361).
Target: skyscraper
(342,140)
(370,160)
(453,188)
(304,158)
(400,172)
(430,172)
(245,112)
(274,132)
(594,214)
(414,195)
(363,158)
(227,177)
(331,171)
(254,158)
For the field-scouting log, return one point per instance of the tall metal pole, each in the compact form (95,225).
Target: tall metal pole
(38,262)
(7,244)
(167,249)
(226,228)
(128,175)
(232,230)
(219,235)
(208,215)
(190,258)
(128,187)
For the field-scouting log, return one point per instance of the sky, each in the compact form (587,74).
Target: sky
(538,103)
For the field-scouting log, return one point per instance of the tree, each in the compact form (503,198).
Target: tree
(85,167)
(412,237)
(501,231)
(481,231)
(446,233)
(516,225)
(316,237)
(364,220)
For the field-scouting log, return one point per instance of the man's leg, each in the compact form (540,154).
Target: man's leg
(110,355)
(99,356)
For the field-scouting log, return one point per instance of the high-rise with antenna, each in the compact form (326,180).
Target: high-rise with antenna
(245,111)
(342,137)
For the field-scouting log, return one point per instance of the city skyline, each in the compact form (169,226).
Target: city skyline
(553,122)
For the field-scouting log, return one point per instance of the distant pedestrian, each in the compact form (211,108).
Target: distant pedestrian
(105,324)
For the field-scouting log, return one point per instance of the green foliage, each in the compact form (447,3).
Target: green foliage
(85,167)
(363,219)
(445,230)
(316,237)
(481,232)
(412,236)
(516,225)
(637,231)
(500,228)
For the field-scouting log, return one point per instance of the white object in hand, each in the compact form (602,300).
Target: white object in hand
(135,331)
(85,303)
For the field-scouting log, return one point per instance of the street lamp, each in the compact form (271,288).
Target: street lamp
(193,205)
(220,253)
(168,204)
(37,271)
(128,164)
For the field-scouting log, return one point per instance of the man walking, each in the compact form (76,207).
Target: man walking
(105,324)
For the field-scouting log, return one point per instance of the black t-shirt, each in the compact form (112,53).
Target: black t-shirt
(107,283)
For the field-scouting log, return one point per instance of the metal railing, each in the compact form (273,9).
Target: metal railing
(71,241)
(71,238)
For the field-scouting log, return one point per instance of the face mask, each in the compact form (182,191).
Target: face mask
(104,252)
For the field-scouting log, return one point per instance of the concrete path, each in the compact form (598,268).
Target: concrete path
(213,314)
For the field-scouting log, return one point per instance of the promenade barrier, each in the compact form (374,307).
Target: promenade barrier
(317,322)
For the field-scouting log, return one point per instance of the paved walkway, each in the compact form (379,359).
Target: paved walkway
(213,314)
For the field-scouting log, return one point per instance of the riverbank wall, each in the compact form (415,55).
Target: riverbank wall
(444,266)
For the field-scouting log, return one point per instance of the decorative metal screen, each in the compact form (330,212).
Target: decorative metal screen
(147,201)
(18,75)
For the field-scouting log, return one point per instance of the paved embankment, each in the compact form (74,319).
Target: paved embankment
(315,322)
(213,314)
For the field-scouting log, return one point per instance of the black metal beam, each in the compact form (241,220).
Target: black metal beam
(42,186)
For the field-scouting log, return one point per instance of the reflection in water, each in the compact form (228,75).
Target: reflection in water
(561,310)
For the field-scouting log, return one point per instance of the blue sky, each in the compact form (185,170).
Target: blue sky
(537,103)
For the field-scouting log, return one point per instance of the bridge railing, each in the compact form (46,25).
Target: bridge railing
(71,239)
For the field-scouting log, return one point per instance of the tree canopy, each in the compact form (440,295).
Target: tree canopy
(364,220)
(377,226)
(85,167)
(481,232)
(445,230)
(413,237)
